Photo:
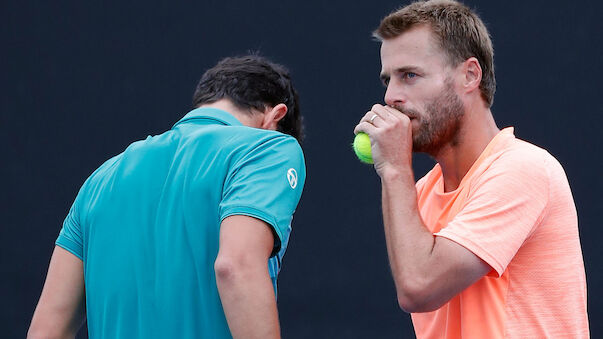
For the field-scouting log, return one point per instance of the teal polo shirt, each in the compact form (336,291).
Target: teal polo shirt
(146,223)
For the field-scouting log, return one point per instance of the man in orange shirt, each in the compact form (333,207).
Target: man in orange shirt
(486,244)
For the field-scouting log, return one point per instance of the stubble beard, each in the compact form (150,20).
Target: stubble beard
(439,125)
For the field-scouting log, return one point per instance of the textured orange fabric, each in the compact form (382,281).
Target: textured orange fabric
(513,209)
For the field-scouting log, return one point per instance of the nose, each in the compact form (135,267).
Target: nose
(394,95)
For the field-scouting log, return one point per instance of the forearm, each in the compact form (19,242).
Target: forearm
(409,243)
(248,300)
(428,270)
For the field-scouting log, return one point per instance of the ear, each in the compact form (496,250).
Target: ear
(472,74)
(272,116)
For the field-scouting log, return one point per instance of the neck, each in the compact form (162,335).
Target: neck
(477,130)
(245,117)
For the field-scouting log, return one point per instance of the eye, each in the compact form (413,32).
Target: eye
(409,75)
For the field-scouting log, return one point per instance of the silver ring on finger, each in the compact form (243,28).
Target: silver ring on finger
(373,118)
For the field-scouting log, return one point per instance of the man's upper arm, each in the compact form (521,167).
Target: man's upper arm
(503,209)
(245,238)
(242,277)
(454,269)
(60,310)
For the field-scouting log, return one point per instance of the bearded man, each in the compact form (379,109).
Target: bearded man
(486,244)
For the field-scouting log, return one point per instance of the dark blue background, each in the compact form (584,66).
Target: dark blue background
(82,80)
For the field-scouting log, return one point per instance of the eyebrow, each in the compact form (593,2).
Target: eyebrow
(385,76)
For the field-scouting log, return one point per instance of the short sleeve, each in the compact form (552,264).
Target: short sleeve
(70,237)
(503,207)
(266,183)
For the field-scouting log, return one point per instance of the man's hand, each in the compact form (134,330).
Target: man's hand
(390,132)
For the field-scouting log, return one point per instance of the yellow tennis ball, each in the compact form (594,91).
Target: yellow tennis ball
(362,148)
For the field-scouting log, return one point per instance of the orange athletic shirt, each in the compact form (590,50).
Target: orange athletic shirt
(514,210)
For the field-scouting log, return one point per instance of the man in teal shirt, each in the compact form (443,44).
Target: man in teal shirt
(182,234)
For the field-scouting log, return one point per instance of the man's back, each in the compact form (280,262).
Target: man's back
(149,223)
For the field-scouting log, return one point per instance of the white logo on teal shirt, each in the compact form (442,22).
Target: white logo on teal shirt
(292,177)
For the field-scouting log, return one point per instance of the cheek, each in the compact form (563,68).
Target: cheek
(420,95)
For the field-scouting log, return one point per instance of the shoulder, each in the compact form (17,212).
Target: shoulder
(266,154)
(102,170)
(257,136)
(248,141)
(523,159)
(241,139)
(521,167)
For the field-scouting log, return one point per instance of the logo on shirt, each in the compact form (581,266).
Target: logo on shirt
(292,177)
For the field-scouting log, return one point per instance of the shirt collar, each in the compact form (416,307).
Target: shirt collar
(209,113)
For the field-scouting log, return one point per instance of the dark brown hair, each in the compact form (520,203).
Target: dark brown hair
(252,81)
